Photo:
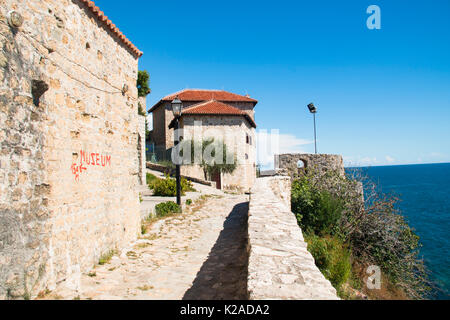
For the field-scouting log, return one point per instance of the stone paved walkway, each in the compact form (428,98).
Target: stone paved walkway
(200,255)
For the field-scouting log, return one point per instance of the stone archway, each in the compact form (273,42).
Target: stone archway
(302,165)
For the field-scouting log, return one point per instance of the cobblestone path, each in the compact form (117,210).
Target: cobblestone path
(200,255)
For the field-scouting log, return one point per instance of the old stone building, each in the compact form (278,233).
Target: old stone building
(69,133)
(211,113)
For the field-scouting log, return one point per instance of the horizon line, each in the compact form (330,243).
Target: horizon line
(395,165)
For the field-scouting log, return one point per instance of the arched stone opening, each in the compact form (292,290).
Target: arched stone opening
(301,166)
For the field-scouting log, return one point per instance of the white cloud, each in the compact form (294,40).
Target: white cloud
(389,159)
(271,143)
(369,161)
(360,161)
(292,144)
(365,161)
(435,154)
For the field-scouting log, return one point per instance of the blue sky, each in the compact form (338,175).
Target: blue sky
(383,96)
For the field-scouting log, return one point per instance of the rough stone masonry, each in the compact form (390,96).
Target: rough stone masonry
(280,266)
(68,143)
(321,163)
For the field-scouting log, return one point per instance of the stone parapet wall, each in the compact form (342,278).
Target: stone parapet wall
(319,162)
(280,267)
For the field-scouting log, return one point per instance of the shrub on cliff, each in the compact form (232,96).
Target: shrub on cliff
(329,204)
(317,212)
(331,256)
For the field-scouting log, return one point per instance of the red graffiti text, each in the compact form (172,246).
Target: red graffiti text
(94,159)
(89,159)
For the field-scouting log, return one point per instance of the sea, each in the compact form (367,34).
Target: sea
(424,192)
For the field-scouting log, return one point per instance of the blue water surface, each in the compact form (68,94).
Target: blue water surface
(424,191)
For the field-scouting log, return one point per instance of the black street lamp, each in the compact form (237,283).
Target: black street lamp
(177,105)
(313,110)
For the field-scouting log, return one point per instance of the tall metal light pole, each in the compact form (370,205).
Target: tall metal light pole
(177,106)
(313,110)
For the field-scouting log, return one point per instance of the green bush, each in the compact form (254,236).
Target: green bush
(143,83)
(188,202)
(168,187)
(187,186)
(167,208)
(317,211)
(331,257)
(330,206)
(151,179)
(165,188)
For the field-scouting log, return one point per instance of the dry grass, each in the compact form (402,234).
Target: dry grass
(388,291)
(143,245)
(145,288)
(106,257)
(132,255)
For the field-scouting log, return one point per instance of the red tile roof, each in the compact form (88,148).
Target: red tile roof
(205,95)
(214,107)
(111,26)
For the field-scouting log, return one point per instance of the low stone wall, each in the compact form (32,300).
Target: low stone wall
(280,267)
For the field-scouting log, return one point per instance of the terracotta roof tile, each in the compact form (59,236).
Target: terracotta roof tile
(204,95)
(108,23)
(214,107)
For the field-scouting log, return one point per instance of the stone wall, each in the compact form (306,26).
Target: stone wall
(68,134)
(280,267)
(141,150)
(320,162)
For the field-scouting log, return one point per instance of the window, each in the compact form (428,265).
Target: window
(248,139)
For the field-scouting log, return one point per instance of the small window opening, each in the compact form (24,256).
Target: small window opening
(38,88)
